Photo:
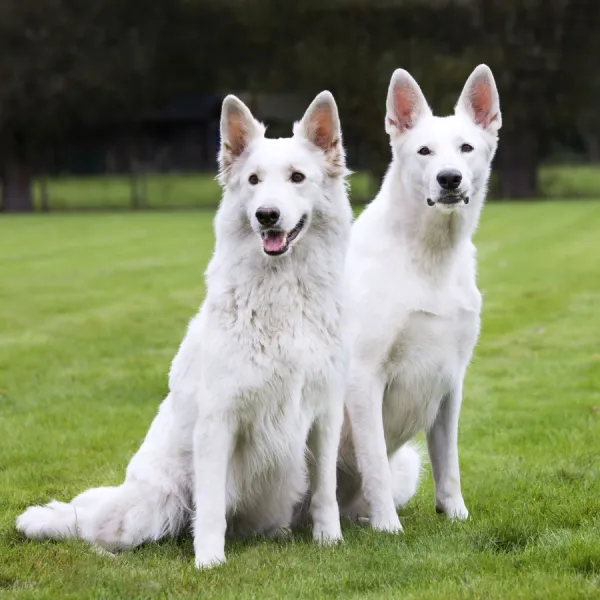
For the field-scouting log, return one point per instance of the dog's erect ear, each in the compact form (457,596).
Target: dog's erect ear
(238,129)
(405,105)
(480,101)
(320,125)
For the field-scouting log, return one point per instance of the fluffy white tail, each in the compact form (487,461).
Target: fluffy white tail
(153,502)
(115,518)
(405,466)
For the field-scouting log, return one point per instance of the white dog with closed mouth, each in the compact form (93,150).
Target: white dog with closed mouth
(413,307)
(258,379)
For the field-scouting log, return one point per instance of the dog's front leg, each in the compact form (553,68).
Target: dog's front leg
(212,450)
(364,403)
(442,442)
(323,443)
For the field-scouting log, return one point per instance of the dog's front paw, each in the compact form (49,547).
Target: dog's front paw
(209,560)
(453,508)
(386,523)
(326,523)
(209,555)
(327,534)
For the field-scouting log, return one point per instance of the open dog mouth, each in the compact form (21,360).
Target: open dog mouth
(448,199)
(277,241)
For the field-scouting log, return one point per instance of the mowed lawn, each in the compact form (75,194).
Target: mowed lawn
(92,309)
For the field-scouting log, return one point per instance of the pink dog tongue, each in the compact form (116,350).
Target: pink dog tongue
(274,241)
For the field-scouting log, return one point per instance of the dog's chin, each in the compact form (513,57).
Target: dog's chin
(277,241)
(448,203)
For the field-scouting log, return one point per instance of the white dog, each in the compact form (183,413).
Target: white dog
(258,379)
(412,300)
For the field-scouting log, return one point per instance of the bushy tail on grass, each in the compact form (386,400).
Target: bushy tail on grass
(405,465)
(115,518)
(152,503)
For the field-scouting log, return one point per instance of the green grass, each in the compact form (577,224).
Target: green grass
(92,308)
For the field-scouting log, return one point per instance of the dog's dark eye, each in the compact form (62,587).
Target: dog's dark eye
(297,177)
(424,151)
(253,179)
(466,148)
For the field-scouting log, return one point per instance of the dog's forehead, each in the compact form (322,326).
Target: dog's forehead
(451,128)
(271,153)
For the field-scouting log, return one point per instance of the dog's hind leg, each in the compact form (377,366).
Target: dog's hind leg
(405,468)
(150,504)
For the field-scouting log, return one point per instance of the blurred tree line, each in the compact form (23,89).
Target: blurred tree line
(65,65)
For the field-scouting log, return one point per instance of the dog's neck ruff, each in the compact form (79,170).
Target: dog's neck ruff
(305,278)
(432,237)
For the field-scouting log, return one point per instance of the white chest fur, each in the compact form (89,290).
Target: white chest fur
(424,363)
(280,336)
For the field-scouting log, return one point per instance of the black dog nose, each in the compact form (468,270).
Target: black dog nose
(449,179)
(267,216)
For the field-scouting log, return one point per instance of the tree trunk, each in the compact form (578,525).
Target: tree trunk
(17,187)
(138,182)
(44,200)
(517,165)
(592,143)
(135,190)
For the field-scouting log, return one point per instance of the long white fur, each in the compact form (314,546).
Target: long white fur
(413,307)
(257,384)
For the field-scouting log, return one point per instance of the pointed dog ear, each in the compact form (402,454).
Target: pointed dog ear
(405,104)
(321,126)
(480,101)
(238,129)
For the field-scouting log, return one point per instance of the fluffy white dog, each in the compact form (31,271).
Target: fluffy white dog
(412,300)
(257,384)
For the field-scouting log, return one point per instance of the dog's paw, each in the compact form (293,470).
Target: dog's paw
(327,535)
(209,550)
(453,508)
(207,558)
(386,523)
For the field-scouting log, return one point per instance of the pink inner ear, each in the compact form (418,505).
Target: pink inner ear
(321,127)
(405,101)
(480,98)
(237,132)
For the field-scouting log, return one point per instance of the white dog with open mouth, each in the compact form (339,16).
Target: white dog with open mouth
(258,379)
(413,307)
